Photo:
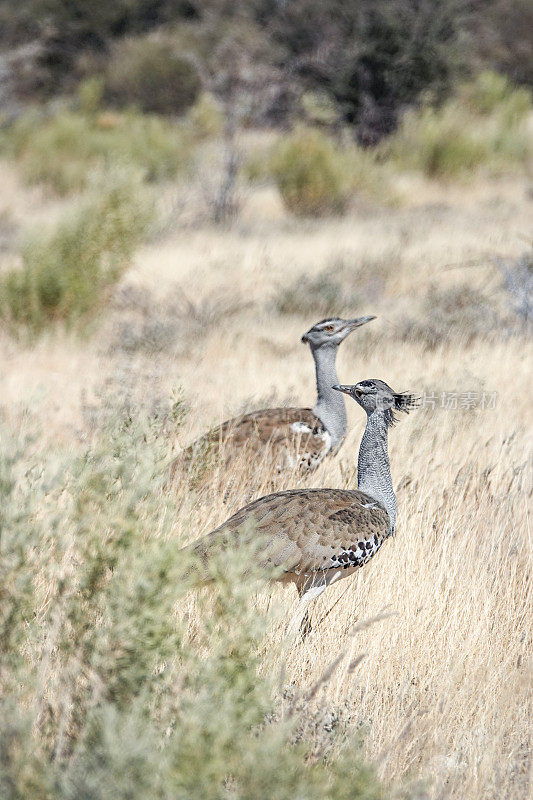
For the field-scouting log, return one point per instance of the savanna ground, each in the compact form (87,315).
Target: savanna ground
(207,322)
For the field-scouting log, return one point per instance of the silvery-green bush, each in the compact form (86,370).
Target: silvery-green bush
(106,693)
(66,271)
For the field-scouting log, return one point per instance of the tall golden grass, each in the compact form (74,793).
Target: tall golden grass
(442,695)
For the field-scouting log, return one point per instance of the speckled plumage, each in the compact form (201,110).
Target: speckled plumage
(293,437)
(307,532)
(314,536)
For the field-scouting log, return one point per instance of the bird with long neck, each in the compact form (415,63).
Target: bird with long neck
(329,407)
(300,437)
(373,467)
(312,537)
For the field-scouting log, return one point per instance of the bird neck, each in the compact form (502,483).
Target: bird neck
(329,406)
(373,467)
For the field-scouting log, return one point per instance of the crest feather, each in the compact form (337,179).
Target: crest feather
(403,401)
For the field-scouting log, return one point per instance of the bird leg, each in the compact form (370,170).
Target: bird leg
(300,622)
(305,625)
(308,592)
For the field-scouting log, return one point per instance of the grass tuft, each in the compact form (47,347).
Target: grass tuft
(485,125)
(317,178)
(152,75)
(310,176)
(63,151)
(66,272)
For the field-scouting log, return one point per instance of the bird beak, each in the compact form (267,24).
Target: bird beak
(343,388)
(352,324)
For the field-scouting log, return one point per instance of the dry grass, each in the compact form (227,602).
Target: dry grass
(443,692)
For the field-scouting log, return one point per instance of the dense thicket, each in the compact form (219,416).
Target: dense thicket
(371,58)
(374,56)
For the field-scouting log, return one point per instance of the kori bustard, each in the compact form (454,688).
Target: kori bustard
(315,536)
(300,437)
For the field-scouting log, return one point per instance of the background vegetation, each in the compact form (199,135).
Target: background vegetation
(372,59)
(65,273)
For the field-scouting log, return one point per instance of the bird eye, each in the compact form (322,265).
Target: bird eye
(329,328)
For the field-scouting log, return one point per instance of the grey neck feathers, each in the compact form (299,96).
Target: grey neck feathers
(373,468)
(329,406)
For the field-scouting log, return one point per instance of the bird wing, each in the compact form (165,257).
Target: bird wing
(296,430)
(307,530)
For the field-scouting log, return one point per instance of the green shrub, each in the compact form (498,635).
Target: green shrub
(64,150)
(485,125)
(315,177)
(151,75)
(439,143)
(486,93)
(66,272)
(320,108)
(311,174)
(206,117)
(109,695)
(493,94)
(90,93)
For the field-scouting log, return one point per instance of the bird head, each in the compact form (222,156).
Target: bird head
(375,395)
(332,331)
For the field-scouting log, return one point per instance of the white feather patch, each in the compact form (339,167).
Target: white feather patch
(300,427)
